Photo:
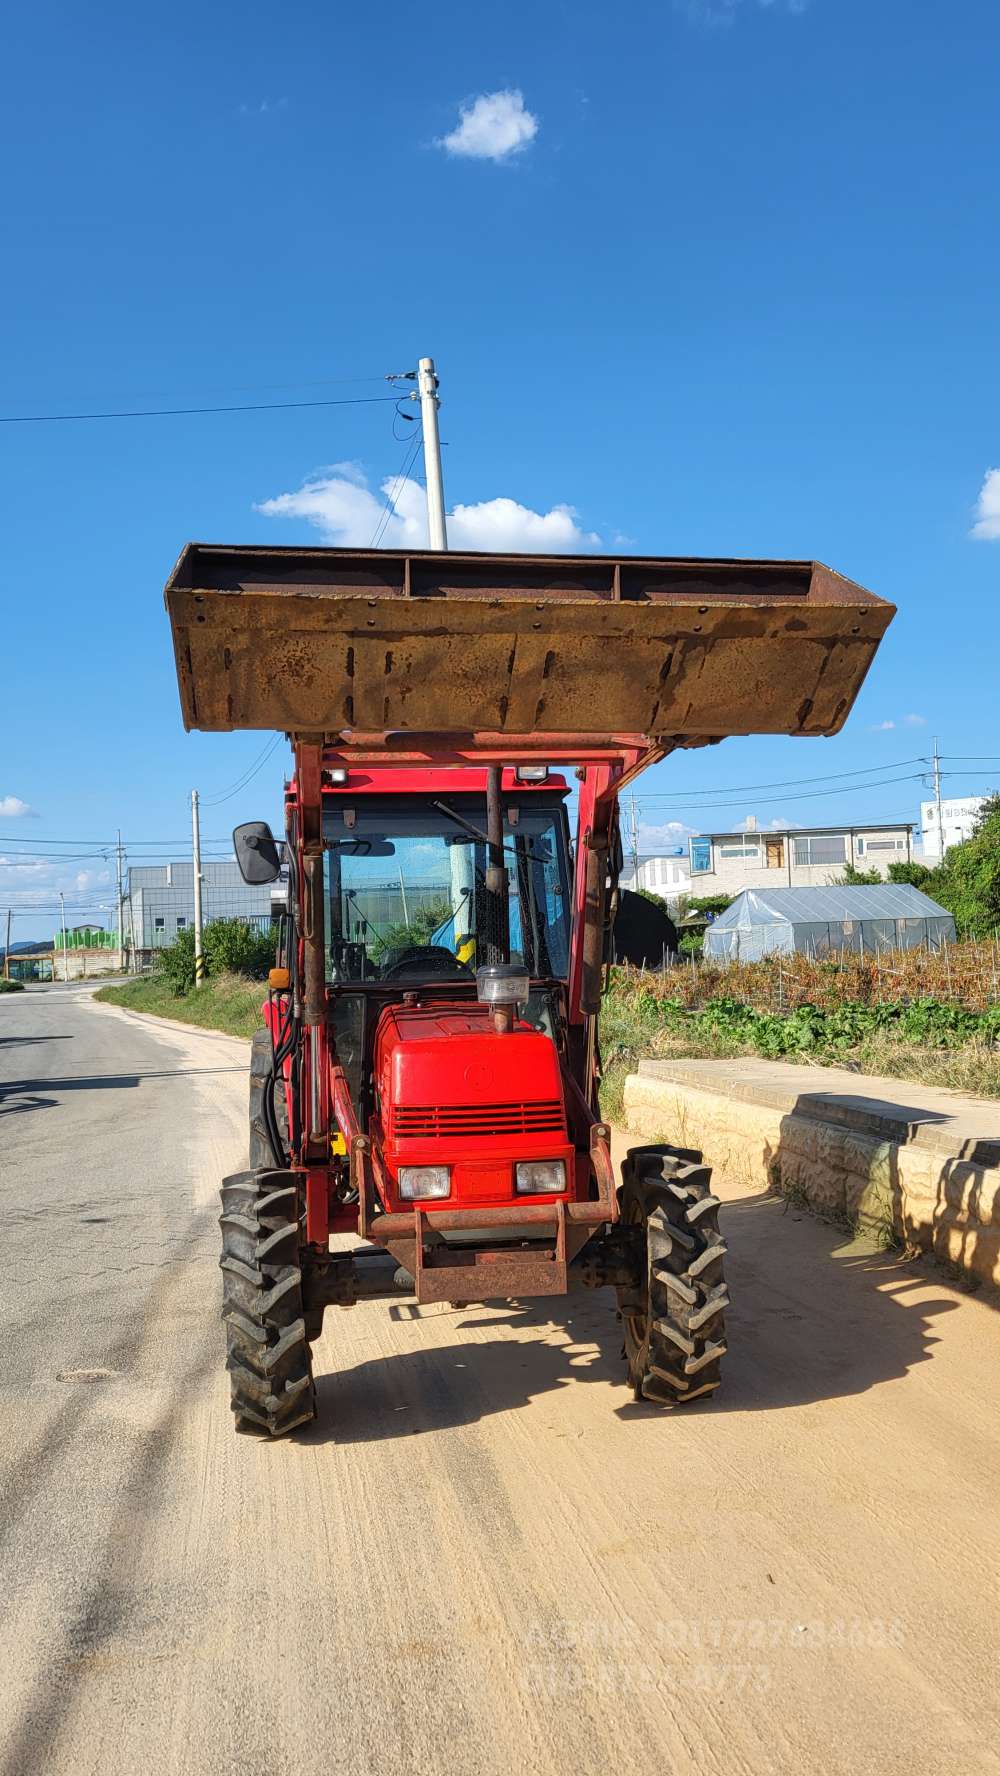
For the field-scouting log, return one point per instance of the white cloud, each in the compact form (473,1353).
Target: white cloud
(339,504)
(987,525)
(493,127)
(665,837)
(882,727)
(915,721)
(14,869)
(12,808)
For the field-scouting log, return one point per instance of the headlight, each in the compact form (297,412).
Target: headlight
(540,1177)
(424,1181)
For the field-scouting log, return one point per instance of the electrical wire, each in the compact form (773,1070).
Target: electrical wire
(251,771)
(787,783)
(808,795)
(177,412)
(396,488)
(410,418)
(249,388)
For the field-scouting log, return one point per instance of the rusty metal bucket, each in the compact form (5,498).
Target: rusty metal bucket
(346,644)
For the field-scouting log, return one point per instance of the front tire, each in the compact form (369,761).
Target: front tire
(674,1321)
(267,1352)
(261,1064)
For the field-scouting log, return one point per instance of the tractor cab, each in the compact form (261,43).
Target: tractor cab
(405,876)
(418,945)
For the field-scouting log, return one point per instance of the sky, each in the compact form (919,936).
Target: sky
(709,277)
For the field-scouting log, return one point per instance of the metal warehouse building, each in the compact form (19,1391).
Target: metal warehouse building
(160,900)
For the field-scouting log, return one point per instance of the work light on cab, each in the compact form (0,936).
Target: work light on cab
(503,986)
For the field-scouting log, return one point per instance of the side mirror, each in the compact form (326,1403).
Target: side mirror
(256,853)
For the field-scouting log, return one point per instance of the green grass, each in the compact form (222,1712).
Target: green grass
(930,1043)
(230,1003)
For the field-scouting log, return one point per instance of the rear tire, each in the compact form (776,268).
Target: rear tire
(267,1352)
(674,1322)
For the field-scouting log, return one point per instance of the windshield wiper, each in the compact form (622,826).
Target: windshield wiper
(477,833)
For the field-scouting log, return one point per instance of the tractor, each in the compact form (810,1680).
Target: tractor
(427,1077)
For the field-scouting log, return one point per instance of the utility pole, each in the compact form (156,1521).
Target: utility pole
(199,960)
(937,798)
(62,905)
(121,905)
(427,384)
(634,834)
(6,950)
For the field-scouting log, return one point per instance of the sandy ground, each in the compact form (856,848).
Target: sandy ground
(484,1557)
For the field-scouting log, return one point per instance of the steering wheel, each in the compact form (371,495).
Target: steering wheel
(430,958)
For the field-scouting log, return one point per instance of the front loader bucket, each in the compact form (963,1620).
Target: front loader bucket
(350,645)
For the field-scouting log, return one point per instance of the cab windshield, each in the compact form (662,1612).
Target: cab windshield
(406,887)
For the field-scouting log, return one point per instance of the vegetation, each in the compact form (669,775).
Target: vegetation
(237,958)
(230,946)
(967,882)
(916,874)
(226,1002)
(417,931)
(933,1018)
(855,878)
(708,905)
(11,986)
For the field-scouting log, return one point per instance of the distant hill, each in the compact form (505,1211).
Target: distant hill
(29,948)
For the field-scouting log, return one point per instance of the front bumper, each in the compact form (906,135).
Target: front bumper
(486,1263)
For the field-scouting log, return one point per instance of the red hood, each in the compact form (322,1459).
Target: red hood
(449,1060)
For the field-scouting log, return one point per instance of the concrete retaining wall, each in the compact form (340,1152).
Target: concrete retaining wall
(882,1153)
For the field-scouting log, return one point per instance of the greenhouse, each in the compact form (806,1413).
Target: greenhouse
(825,921)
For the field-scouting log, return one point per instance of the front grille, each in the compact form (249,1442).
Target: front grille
(428,1123)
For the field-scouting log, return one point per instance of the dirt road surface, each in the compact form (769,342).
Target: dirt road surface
(484,1558)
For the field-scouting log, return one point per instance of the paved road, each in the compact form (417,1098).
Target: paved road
(484,1558)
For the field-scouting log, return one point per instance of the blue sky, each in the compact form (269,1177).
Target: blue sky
(727,286)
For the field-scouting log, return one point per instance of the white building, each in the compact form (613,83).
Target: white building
(666,874)
(159,900)
(802,857)
(958,817)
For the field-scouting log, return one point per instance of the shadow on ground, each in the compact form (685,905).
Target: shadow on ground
(959,1234)
(27,1094)
(813,1317)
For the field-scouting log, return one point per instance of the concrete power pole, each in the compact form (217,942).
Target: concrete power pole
(937,798)
(427,384)
(121,905)
(633,823)
(199,960)
(65,946)
(6,950)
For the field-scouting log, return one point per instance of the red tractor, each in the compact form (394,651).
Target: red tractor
(428,1077)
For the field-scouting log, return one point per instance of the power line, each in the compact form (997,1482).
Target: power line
(249,388)
(176,412)
(786,783)
(216,801)
(396,487)
(805,796)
